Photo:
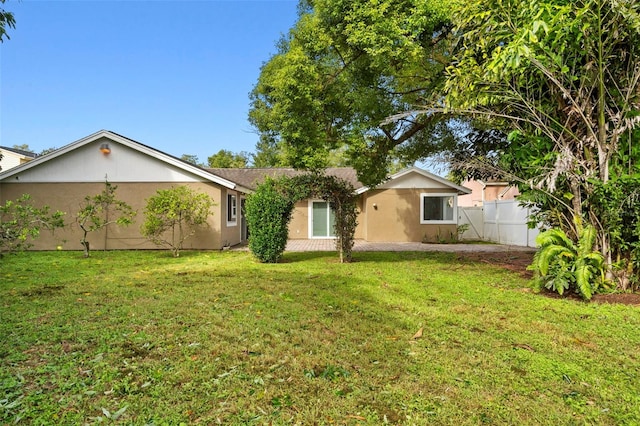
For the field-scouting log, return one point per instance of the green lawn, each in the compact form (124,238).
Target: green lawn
(143,338)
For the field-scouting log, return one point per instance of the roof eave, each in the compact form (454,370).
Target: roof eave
(461,189)
(124,141)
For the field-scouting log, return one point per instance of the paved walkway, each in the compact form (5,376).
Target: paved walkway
(360,245)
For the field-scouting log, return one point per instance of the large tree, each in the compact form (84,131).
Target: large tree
(563,78)
(342,70)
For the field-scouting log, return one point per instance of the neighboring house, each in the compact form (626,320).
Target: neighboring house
(484,191)
(413,205)
(12,157)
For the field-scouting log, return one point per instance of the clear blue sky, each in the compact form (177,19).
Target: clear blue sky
(174,75)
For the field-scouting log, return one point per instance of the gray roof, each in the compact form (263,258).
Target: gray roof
(251,177)
(20,151)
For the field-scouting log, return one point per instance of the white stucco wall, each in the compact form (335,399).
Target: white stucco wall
(87,164)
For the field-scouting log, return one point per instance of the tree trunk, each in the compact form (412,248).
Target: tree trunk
(85,244)
(84,241)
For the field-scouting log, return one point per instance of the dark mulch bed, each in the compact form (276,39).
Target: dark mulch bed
(518,262)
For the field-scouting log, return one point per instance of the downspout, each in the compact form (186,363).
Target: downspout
(484,186)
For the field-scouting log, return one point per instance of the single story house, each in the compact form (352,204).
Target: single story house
(413,205)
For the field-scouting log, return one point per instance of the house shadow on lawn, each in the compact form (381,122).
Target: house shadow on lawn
(369,256)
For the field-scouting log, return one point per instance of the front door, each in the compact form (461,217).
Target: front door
(322,220)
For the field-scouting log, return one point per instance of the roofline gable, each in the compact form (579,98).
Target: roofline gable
(429,175)
(22,152)
(137,146)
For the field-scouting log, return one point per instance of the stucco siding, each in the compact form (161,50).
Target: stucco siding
(299,225)
(230,230)
(68,197)
(362,218)
(394,215)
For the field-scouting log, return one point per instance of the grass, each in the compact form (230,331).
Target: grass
(142,338)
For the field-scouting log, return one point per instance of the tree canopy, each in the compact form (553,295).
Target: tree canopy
(563,78)
(101,210)
(226,159)
(7,20)
(545,92)
(21,222)
(343,69)
(191,159)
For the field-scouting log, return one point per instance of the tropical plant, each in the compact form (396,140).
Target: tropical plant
(21,222)
(561,265)
(97,212)
(173,215)
(561,77)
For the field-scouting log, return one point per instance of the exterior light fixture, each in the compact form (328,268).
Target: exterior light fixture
(104,148)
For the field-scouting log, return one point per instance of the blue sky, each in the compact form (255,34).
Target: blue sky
(174,75)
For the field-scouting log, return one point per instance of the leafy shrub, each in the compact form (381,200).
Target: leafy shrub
(617,206)
(268,211)
(172,215)
(94,213)
(561,265)
(21,222)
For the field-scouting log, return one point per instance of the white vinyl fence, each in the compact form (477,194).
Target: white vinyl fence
(503,222)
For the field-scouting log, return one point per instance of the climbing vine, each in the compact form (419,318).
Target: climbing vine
(269,210)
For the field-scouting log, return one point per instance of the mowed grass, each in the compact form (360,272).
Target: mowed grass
(216,337)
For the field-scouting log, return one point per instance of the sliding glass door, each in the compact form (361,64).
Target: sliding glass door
(322,220)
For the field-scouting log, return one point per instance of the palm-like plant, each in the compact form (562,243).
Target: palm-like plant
(560,264)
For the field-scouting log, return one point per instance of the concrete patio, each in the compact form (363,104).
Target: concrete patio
(360,245)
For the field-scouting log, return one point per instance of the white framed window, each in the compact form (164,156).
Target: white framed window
(232,209)
(438,208)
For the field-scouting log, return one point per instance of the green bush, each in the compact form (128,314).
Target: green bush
(617,206)
(561,265)
(172,216)
(268,213)
(21,222)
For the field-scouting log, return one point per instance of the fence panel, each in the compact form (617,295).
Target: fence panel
(474,217)
(504,222)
